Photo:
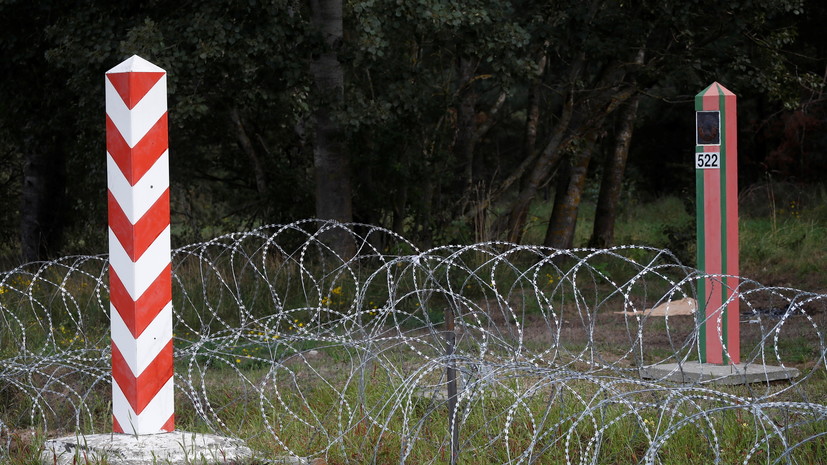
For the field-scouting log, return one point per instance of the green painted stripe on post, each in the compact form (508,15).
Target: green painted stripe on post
(699,98)
(700,311)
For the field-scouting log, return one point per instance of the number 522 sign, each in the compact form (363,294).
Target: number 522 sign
(707,160)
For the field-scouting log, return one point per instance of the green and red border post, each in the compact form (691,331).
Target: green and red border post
(718,316)
(716,180)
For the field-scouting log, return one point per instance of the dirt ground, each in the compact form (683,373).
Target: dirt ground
(772,331)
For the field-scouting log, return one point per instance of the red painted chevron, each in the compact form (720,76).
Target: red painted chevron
(139,245)
(133,86)
(138,314)
(134,162)
(168,426)
(140,390)
(135,239)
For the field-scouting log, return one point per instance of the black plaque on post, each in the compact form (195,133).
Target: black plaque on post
(708,128)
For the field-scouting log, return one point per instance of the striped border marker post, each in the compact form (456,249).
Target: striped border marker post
(716,180)
(140,287)
(140,277)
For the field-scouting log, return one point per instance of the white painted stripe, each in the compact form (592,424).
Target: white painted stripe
(136,200)
(137,276)
(140,352)
(135,63)
(156,413)
(134,124)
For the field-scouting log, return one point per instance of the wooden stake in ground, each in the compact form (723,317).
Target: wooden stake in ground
(140,278)
(716,179)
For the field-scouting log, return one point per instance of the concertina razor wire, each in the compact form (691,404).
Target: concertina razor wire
(283,343)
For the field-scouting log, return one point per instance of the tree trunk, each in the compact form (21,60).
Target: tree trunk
(535,97)
(426,221)
(43,202)
(548,159)
(399,201)
(560,232)
(561,226)
(615,168)
(530,154)
(330,158)
(465,121)
(247,147)
(610,187)
(532,120)
(483,123)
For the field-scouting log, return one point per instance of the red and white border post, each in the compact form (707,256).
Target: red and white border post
(716,180)
(140,277)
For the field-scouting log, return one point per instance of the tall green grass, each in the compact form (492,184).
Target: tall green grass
(252,379)
(782,242)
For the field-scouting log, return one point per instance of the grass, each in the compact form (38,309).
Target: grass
(259,347)
(789,252)
(781,242)
(314,401)
(560,422)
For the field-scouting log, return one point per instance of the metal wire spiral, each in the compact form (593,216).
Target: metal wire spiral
(286,344)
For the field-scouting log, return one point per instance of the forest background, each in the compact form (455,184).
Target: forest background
(446,121)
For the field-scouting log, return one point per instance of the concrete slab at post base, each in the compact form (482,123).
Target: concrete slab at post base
(703,373)
(162,449)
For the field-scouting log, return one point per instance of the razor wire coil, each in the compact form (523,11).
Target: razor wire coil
(282,340)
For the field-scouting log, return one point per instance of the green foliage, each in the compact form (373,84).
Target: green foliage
(404,92)
(781,243)
(247,341)
(220,57)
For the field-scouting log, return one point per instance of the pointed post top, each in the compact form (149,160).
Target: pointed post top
(135,64)
(715,89)
(133,78)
